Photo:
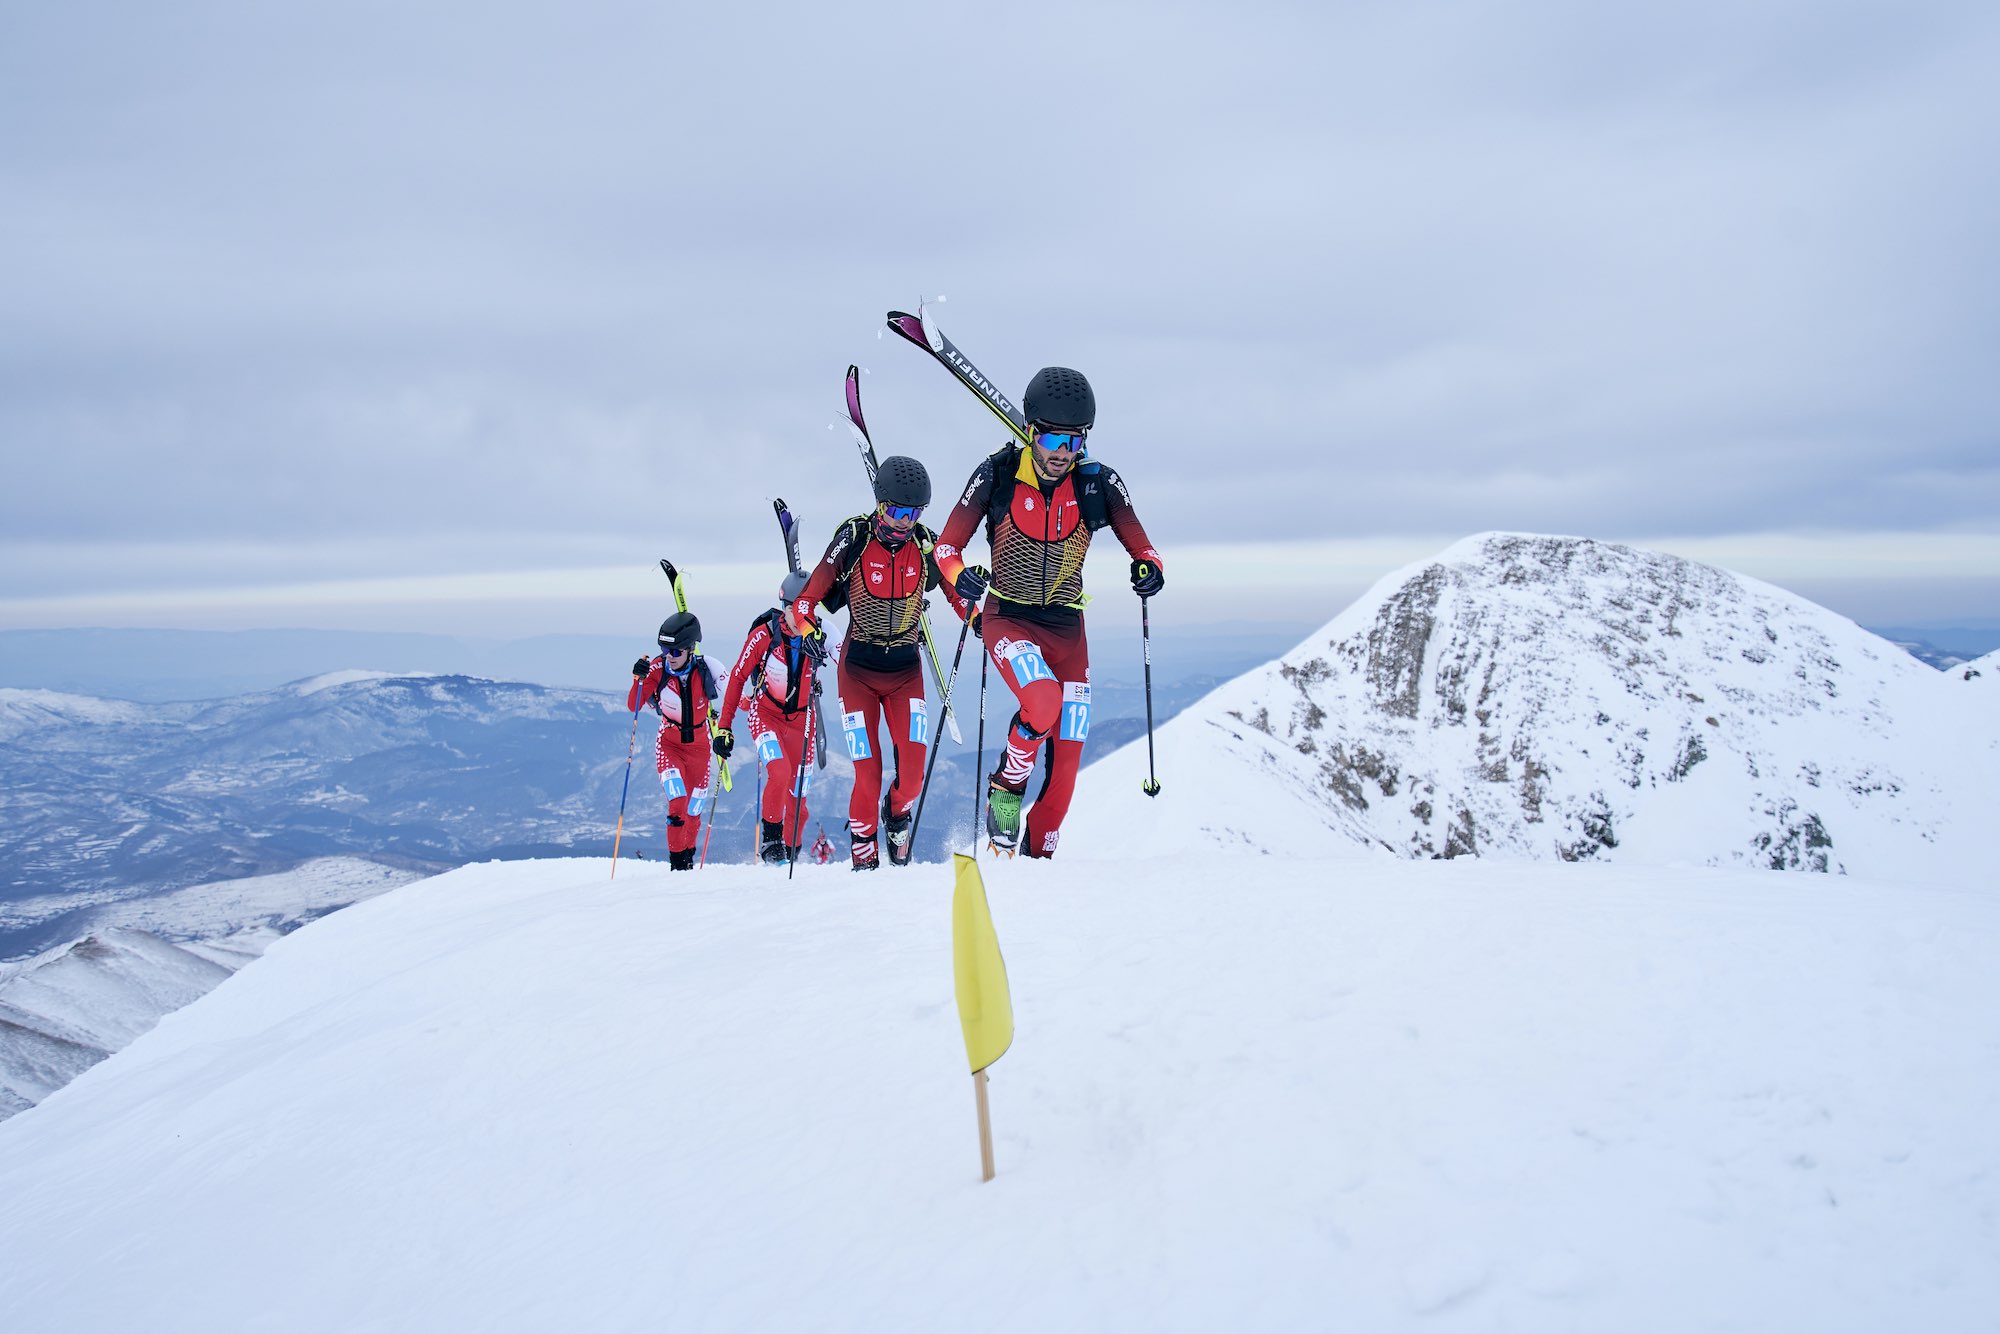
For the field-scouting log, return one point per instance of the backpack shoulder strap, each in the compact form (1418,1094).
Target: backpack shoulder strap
(1093,494)
(1005,462)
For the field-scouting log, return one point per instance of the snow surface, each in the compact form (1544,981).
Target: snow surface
(1245,1092)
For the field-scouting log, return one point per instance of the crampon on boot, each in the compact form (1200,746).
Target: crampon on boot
(897,827)
(1003,819)
(771,843)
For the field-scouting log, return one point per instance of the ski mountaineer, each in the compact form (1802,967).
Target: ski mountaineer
(1040,504)
(777,667)
(879,566)
(681,688)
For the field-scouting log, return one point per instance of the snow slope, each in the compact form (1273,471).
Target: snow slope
(1560,698)
(1244,1093)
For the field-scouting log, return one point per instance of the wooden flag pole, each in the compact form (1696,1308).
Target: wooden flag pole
(985,1127)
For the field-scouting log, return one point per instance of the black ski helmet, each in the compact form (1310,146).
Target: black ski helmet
(680,632)
(1059,396)
(901,480)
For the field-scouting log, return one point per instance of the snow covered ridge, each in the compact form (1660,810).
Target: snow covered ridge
(1243,1094)
(1557,697)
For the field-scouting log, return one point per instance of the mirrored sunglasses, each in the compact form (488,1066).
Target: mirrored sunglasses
(902,513)
(1070,440)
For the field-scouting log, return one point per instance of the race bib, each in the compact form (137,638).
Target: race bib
(1075,711)
(920,722)
(769,748)
(1026,660)
(672,784)
(803,781)
(698,802)
(855,725)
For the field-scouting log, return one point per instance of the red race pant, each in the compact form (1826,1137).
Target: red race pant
(684,773)
(1048,669)
(785,749)
(866,698)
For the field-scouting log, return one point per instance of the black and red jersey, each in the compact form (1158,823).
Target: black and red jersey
(1039,535)
(882,588)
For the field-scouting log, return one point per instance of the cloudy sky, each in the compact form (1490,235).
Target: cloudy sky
(457,316)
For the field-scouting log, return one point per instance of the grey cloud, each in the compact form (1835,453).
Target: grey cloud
(510,282)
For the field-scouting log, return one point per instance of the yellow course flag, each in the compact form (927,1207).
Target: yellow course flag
(985,1010)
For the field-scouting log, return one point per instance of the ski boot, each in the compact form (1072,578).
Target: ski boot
(681,861)
(771,848)
(863,850)
(897,827)
(1003,819)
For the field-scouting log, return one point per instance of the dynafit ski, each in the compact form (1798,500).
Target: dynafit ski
(922,330)
(859,427)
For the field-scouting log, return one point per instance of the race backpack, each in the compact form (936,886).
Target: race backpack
(857,531)
(1092,492)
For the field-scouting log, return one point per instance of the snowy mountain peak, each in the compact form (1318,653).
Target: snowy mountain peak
(1559,697)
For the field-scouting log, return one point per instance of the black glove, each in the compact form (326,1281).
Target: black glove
(1147,577)
(971,582)
(974,620)
(813,641)
(722,743)
(641,667)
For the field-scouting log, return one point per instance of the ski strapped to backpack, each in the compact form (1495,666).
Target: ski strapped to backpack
(922,330)
(788,528)
(926,540)
(708,675)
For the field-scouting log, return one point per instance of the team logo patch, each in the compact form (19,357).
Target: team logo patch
(1049,840)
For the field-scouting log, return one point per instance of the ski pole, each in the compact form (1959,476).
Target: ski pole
(630,745)
(1151,787)
(714,805)
(930,765)
(979,764)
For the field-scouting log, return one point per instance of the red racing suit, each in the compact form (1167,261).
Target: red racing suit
(880,673)
(780,718)
(1032,622)
(682,700)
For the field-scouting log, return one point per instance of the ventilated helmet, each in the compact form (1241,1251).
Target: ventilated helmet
(1059,396)
(795,584)
(680,632)
(901,480)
